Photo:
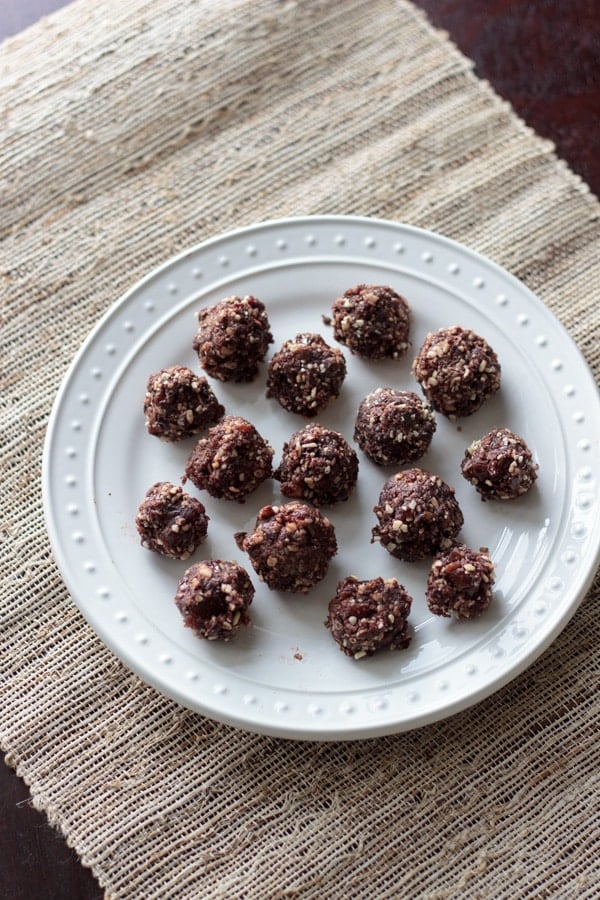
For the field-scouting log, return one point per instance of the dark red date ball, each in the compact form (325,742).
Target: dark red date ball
(460,582)
(373,321)
(318,465)
(457,370)
(179,403)
(233,338)
(170,522)
(213,598)
(291,546)
(394,427)
(232,461)
(306,374)
(500,465)
(366,616)
(417,515)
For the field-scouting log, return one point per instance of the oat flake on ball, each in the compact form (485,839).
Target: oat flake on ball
(394,427)
(500,465)
(178,404)
(290,547)
(365,616)
(233,337)
(305,374)
(213,598)
(232,461)
(372,321)
(457,370)
(460,582)
(417,515)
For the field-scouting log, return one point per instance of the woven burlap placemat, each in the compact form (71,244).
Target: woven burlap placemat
(131,131)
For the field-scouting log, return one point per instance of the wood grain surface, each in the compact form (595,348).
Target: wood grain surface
(544,57)
(541,55)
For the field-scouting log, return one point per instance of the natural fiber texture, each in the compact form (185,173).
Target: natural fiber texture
(131,131)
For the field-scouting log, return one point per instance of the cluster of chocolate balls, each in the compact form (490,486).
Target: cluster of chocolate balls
(292,544)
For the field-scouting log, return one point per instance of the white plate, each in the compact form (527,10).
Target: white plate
(284,675)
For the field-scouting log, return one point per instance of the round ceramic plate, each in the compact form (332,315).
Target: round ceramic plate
(284,675)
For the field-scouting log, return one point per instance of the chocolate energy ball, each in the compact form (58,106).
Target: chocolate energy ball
(306,374)
(457,370)
(394,427)
(500,465)
(178,404)
(213,598)
(417,515)
(233,338)
(373,321)
(231,461)
(290,547)
(365,616)
(170,522)
(460,582)
(318,465)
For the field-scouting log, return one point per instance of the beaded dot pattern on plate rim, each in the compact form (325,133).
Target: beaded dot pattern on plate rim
(77,540)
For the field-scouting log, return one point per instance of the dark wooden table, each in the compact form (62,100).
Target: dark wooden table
(541,55)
